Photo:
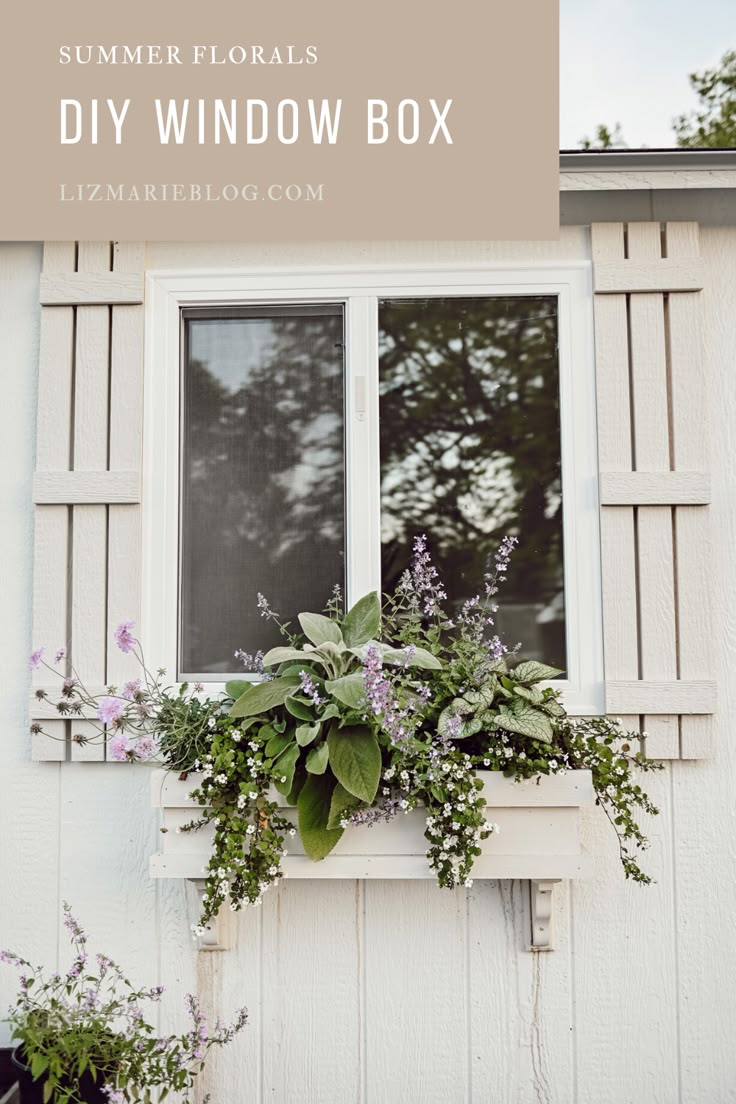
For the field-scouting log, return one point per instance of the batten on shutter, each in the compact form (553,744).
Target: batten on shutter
(87,484)
(654,482)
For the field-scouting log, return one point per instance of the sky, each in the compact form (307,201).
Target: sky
(627,62)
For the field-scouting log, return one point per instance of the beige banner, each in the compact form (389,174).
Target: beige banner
(394,119)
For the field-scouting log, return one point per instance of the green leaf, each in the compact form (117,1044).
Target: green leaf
(39,1064)
(363,621)
(300,777)
(342,805)
(531,671)
(237,687)
(355,758)
(285,769)
(48,1088)
(264,696)
(317,759)
(531,694)
(350,689)
(313,812)
(306,733)
(320,629)
(283,655)
(278,743)
(419,657)
(527,721)
(299,709)
(470,720)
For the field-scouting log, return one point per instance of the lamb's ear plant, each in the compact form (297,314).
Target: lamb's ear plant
(88,1026)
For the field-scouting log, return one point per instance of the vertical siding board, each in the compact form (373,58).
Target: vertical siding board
(690,441)
(615,442)
(310,995)
(520,1003)
(234,1072)
(53,451)
(415,992)
(126,427)
(657,624)
(625,1009)
(106,836)
(89,551)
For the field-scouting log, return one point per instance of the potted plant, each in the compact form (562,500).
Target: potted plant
(361,717)
(82,1036)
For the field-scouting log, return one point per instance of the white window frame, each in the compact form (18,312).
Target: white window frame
(360,288)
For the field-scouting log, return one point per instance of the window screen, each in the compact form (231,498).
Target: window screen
(262,475)
(470,451)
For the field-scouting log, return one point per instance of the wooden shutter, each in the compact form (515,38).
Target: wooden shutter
(88,472)
(652,381)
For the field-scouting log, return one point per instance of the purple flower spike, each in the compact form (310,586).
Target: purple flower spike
(123,636)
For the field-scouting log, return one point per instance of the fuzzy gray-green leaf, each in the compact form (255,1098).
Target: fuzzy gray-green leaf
(264,696)
(318,758)
(355,759)
(320,629)
(362,622)
(350,689)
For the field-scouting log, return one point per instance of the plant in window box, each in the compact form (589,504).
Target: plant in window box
(366,715)
(82,1037)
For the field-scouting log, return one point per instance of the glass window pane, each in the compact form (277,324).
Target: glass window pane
(470,451)
(262,502)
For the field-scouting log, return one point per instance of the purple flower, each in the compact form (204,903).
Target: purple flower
(119,747)
(123,636)
(130,689)
(110,710)
(381,699)
(35,660)
(59,654)
(145,748)
(114,1096)
(308,688)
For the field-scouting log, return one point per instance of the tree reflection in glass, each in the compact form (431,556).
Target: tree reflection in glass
(262,475)
(470,451)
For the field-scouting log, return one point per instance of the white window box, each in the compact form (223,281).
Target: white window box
(539,839)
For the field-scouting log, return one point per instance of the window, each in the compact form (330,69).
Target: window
(301,429)
(262,504)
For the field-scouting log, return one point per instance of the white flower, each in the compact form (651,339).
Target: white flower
(292,832)
(553,764)
(486,762)
(250,829)
(273,871)
(237,736)
(468,883)
(221,779)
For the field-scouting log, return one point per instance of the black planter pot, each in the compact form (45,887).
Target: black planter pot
(31,1092)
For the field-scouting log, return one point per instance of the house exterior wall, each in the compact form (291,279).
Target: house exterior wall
(380,992)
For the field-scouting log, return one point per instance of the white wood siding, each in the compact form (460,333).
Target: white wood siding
(398,993)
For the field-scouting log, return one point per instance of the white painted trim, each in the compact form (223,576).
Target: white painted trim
(602,180)
(167,292)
